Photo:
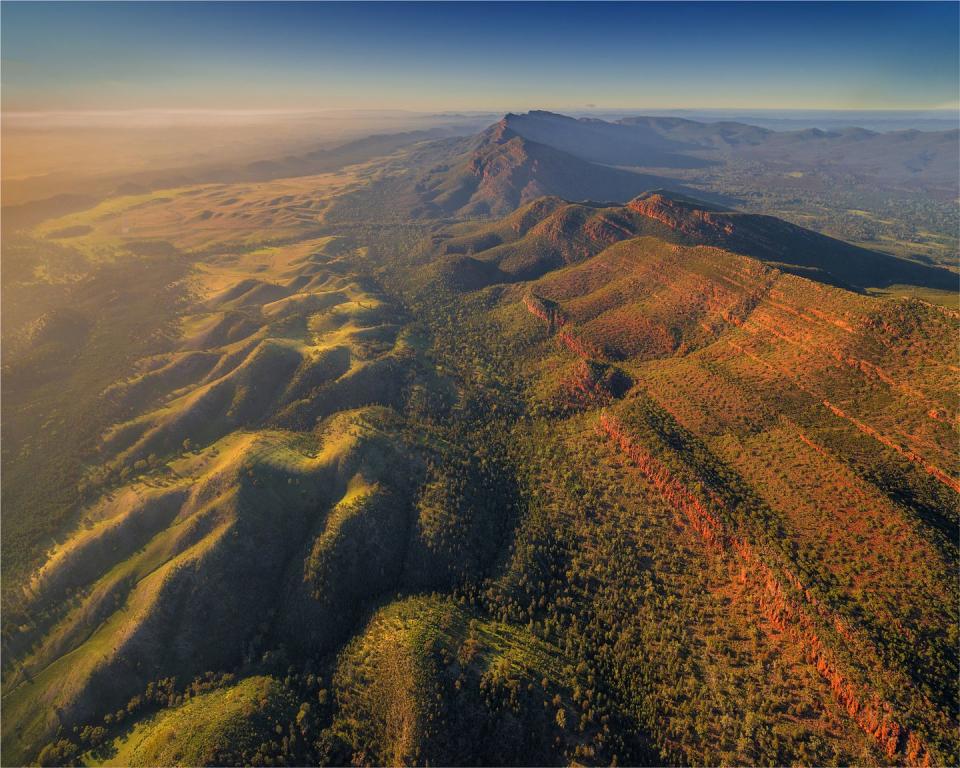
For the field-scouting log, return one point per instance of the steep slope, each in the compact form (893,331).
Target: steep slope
(787,245)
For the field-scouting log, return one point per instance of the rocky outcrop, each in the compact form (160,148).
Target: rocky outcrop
(593,384)
(550,313)
(546,310)
(698,516)
(578,345)
(680,216)
(927,467)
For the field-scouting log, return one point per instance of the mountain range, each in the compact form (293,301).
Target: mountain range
(486,449)
(911,158)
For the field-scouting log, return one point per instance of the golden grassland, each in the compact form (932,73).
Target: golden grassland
(205,217)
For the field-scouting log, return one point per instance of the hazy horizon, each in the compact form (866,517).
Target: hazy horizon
(464,56)
(942,118)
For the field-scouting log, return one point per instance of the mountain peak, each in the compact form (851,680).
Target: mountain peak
(548,113)
(501,131)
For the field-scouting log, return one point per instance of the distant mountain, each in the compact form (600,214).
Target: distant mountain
(527,156)
(634,142)
(913,157)
(910,158)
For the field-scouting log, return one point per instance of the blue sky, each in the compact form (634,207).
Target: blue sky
(496,56)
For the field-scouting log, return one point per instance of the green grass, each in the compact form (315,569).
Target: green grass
(213,728)
(930,295)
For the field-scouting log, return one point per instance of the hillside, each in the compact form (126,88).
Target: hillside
(713,388)
(268,449)
(884,192)
(548,233)
(893,191)
(437,459)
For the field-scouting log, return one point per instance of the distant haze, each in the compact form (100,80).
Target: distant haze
(882,120)
(345,122)
(458,56)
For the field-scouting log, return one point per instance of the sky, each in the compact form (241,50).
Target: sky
(473,56)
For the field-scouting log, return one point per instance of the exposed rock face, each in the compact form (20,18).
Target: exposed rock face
(546,310)
(579,346)
(697,222)
(930,469)
(787,611)
(592,384)
(551,314)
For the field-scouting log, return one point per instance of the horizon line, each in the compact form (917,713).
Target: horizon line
(448,111)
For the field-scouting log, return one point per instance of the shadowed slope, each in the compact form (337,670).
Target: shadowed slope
(789,246)
(548,233)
